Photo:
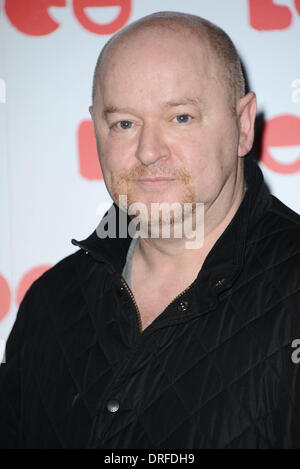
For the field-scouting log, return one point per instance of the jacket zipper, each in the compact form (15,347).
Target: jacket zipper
(134,303)
(136,306)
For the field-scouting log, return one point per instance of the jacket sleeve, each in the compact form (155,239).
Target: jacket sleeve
(10,385)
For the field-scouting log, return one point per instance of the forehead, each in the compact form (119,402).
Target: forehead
(157,62)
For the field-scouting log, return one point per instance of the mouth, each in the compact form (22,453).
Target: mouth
(155,181)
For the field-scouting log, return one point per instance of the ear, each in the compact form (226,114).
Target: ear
(246,112)
(91,111)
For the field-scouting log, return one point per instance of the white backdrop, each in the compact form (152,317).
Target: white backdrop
(50,180)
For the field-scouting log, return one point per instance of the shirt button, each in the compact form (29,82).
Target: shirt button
(183,306)
(113,406)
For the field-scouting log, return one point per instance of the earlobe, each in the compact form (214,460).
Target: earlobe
(246,111)
(91,111)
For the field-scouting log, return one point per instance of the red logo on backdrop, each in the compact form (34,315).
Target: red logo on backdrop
(281,131)
(89,166)
(32,17)
(5,297)
(110,28)
(265,15)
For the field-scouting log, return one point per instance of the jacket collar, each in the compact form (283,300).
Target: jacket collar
(226,258)
(110,250)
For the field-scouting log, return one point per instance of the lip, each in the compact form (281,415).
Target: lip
(156,183)
(155,180)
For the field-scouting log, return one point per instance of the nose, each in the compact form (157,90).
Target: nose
(152,145)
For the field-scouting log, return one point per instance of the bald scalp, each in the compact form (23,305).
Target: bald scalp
(217,40)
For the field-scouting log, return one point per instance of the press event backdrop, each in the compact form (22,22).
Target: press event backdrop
(51,186)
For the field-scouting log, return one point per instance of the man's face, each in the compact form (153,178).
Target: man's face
(164,125)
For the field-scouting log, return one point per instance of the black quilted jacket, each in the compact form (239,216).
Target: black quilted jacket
(214,370)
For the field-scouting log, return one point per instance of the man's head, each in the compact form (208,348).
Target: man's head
(216,39)
(168,102)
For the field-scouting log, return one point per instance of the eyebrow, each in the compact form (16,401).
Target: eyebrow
(182,101)
(110,109)
(113,110)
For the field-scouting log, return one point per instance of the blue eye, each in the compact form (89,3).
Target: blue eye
(182,118)
(125,125)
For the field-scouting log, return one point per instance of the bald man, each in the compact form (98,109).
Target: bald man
(182,333)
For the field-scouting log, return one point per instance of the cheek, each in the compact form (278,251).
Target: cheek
(206,159)
(214,146)
(194,153)
(117,154)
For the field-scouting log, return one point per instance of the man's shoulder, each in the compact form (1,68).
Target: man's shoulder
(285,213)
(278,228)
(50,301)
(273,248)
(60,279)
